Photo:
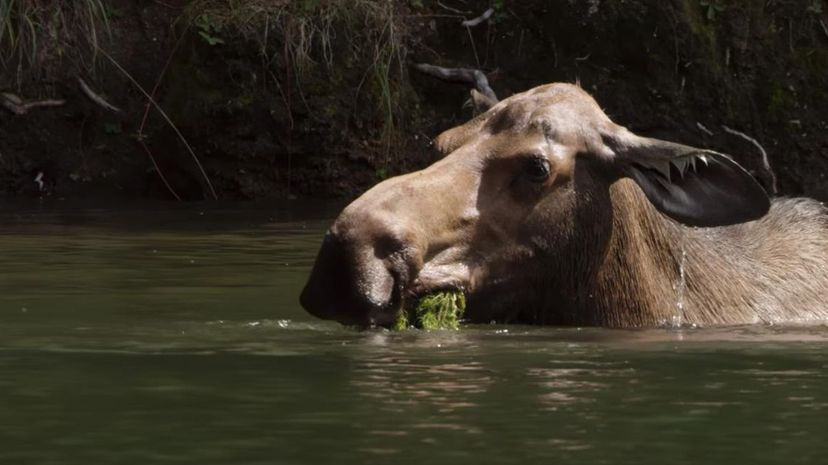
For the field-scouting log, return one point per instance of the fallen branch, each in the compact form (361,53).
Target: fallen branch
(473,77)
(167,118)
(765,161)
(15,104)
(96,98)
(475,21)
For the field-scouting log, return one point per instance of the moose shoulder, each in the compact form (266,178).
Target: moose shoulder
(544,211)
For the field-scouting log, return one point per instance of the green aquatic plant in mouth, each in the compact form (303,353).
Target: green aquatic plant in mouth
(438,310)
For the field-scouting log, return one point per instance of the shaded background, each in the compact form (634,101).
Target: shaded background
(316,98)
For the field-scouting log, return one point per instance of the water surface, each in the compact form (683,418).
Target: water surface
(174,335)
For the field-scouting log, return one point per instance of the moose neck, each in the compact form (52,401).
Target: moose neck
(658,272)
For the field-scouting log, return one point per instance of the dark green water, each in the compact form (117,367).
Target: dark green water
(175,336)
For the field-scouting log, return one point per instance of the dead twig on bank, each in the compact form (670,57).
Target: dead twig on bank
(100,101)
(167,118)
(141,135)
(475,21)
(468,76)
(16,105)
(765,160)
(704,129)
(454,10)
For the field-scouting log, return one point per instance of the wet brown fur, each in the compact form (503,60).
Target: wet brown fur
(585,247)
(773,270)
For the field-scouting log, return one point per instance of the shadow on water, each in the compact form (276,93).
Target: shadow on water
(175,336)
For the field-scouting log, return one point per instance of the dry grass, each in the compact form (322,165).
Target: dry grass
(39,33)
(312,36)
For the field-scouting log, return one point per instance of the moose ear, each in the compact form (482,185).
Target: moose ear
(693,186)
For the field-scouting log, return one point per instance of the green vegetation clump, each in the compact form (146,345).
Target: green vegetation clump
(440,310)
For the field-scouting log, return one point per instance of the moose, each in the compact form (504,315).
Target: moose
(544,211)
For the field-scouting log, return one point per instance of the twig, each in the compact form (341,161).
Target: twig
(824,28)
(446,7)
(167,118)
(146,115)
(704,129)
(433,16)
(158,170)
(474,47)
(765,161)
(285,100)
(462,75)
(475,21)
(15,104)
(97,98)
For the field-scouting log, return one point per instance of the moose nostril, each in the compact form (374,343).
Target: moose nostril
(362,270)
(387,245)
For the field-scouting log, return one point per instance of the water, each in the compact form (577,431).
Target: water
(153,336)
(680,287)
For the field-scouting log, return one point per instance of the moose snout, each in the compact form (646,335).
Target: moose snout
(360,274)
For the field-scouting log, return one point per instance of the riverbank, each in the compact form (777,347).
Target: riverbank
(314,98)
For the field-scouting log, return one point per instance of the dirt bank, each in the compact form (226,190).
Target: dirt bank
(316,98)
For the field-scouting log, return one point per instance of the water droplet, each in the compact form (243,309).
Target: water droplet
(678,319)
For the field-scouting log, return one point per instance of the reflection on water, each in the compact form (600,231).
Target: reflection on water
(175,336)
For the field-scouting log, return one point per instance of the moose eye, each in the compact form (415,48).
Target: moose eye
(536,169)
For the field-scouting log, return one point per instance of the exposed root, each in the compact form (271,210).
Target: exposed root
(473,77)
(765,161)
(475,21)
(453,10)
(704,129)
(100,101)
(16,105)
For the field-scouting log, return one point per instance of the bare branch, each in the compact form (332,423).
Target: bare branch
(703,129)
(96,98)
(824,28)
(16,105)
(468,76)
(454,10)
(765,161)
(475,21)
